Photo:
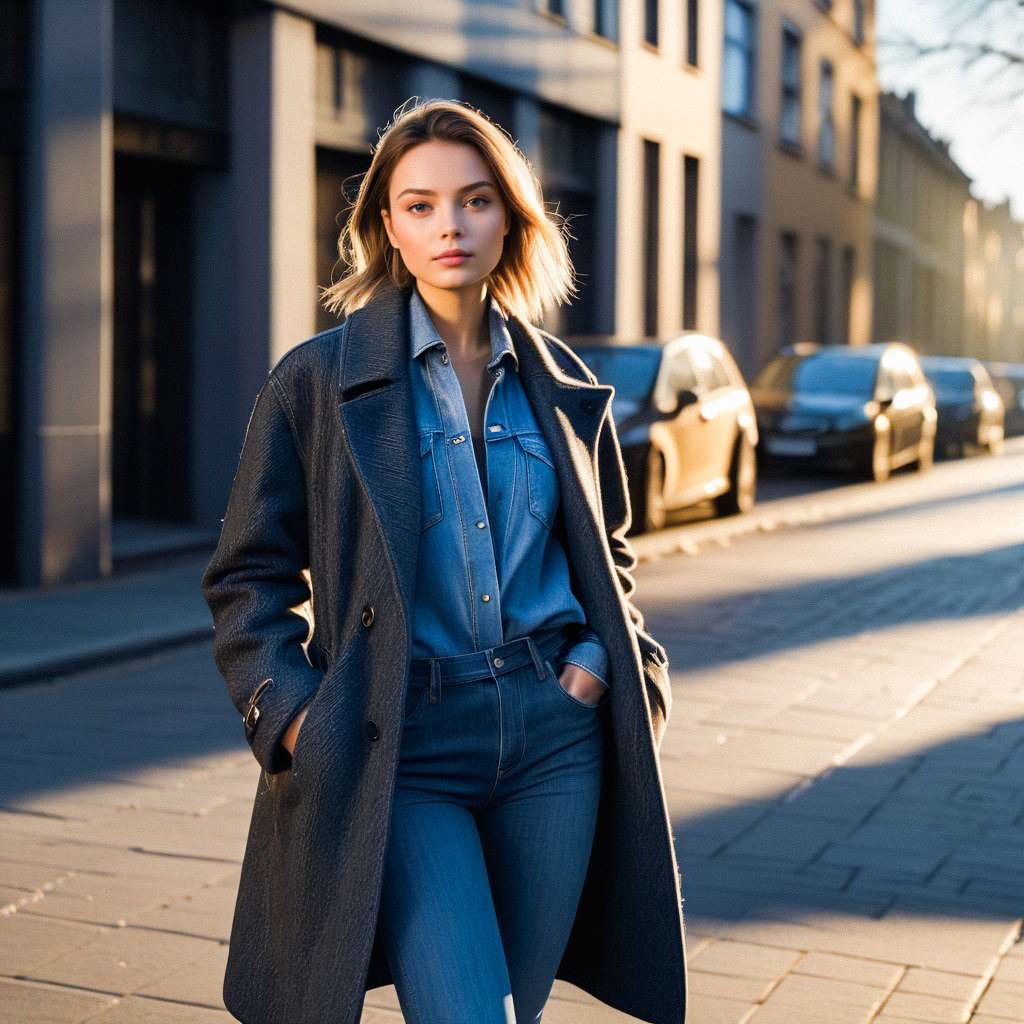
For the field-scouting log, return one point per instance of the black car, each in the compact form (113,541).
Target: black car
(685,421)
(1008,379)
(866,409)
(971,412)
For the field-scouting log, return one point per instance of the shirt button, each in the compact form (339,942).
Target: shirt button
(444,357)
(495,427)
(459,439)
(480,524)
(485,597)
(498,662)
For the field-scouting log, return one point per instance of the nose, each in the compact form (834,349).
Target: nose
(453,223)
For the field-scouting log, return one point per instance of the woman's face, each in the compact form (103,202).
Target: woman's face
(443,196)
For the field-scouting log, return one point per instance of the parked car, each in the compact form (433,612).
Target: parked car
(1008,379)
(685,421)
(971,412)
(866,409)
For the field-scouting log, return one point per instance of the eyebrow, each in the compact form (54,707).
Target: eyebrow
(428,192)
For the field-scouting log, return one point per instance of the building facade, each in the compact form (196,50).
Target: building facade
(920,219)
(166,225)
(993,325)
(799,158)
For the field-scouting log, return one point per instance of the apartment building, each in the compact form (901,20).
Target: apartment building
(993,325)
(921,214)
(669,164)
(799,158)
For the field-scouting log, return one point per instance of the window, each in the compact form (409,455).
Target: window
(789,114)
(692,30)
(738,59)
(715,373)
(681,374)
(855,111)
(788,253)
(691,176)
(823,290)
(858,21)
(651,158)
(849,276)
(606,18)
(651,22)
(827,129)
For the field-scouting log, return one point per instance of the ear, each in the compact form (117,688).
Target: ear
(386,217)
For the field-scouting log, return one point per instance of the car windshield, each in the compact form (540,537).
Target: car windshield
(631,371)
(821,373)
(952,383)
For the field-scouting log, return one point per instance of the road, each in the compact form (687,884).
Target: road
(844,763)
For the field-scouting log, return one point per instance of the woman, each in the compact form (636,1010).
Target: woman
(460,791)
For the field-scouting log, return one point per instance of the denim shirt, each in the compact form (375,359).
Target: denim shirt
(491,567)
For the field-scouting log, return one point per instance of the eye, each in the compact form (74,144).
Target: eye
(412,208)
(481,199)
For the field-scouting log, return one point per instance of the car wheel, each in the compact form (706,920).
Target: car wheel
(880,465)
(654,512)
(742,479)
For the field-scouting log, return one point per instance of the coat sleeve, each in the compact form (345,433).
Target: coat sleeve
(255,578)
(617,519)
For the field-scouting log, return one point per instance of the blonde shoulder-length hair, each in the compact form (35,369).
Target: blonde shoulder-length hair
(534,271)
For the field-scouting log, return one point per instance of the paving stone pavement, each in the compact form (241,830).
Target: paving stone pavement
(844,764)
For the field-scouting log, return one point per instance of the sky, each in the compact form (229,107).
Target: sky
(985,130)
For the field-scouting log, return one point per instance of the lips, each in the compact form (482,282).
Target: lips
(452,254)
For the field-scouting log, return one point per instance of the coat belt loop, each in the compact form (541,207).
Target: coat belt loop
(434,691)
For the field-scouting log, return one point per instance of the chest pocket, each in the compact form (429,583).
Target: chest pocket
(433,508)
(541,476)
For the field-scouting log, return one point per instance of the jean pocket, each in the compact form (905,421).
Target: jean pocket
(541,478)
(415,701)
(553,676)
(433,509)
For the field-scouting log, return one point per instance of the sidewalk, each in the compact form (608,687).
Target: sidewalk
(844,765)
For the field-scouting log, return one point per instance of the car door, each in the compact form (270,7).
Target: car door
(718,410)
(907,419)
(680,438)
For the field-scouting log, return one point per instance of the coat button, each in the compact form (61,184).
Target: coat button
(372,731)
(368,616)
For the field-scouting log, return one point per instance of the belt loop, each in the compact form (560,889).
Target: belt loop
(538,661)
(434,687)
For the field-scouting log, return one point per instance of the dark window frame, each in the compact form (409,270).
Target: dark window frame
(791,90)
(826,116)
(748,55)
(651,179)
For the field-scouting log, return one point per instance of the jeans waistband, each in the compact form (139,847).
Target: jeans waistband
(506,657)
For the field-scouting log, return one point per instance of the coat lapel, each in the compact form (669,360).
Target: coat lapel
(375,403)
(376,407)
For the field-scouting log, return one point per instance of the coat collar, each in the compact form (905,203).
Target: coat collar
(374,397)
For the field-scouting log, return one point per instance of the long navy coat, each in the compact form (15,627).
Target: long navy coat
(328,481)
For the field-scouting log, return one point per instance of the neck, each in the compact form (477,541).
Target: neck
(460,316)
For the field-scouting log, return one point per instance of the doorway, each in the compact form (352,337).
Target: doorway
(152,390)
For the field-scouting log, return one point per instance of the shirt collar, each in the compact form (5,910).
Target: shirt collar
(424,334)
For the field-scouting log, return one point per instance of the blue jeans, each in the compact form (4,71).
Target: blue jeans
(495,806)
